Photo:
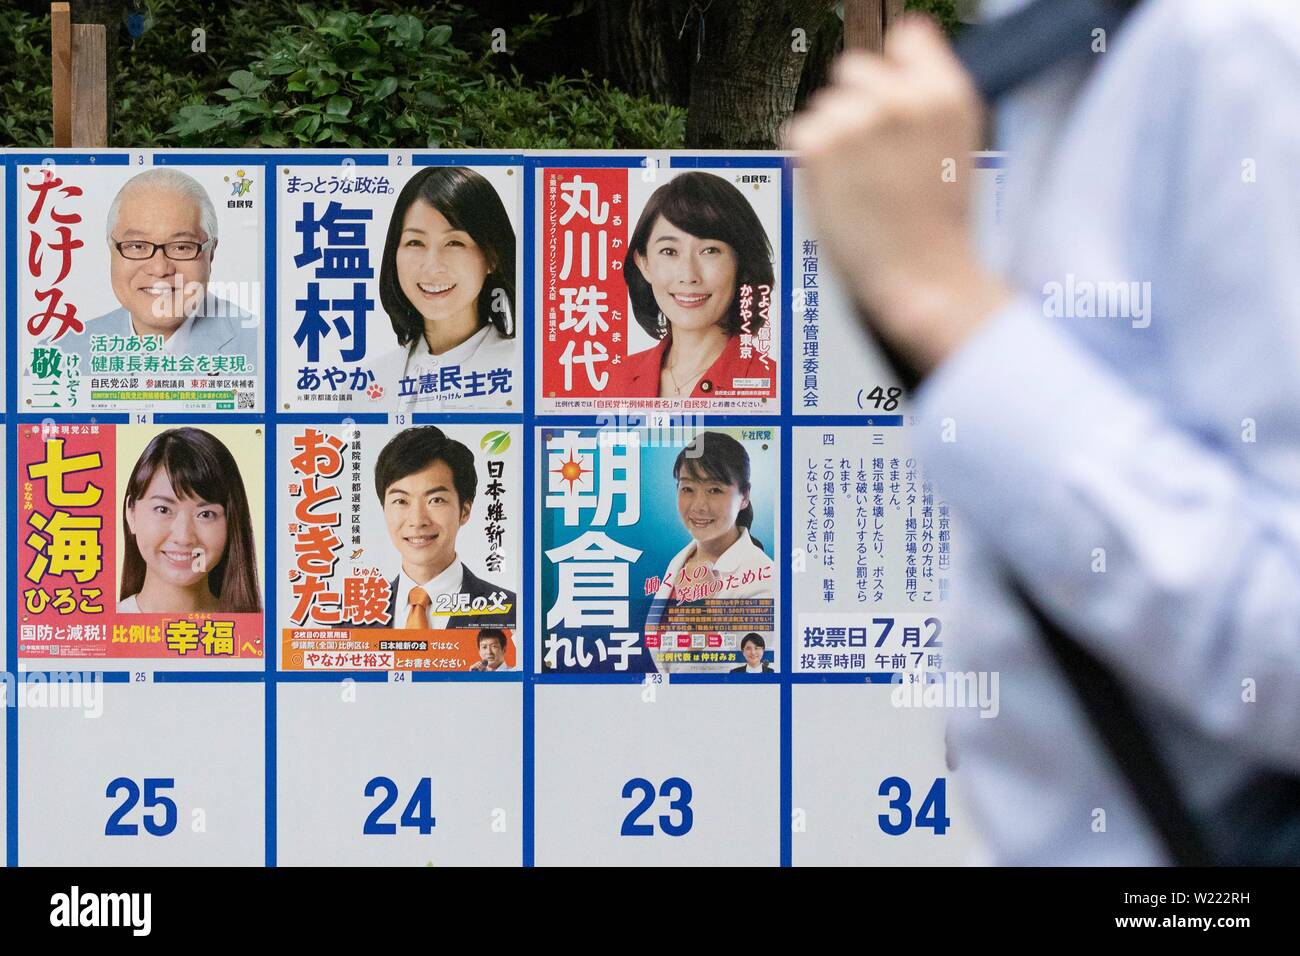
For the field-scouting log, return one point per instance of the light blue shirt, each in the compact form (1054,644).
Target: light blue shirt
(1167,445)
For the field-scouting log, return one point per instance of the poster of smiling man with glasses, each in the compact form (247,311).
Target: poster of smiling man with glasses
(168,330)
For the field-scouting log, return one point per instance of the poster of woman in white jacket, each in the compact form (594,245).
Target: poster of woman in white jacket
(722,561)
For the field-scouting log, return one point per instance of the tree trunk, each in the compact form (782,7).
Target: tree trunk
(639,47)
(822,50)
(746,77)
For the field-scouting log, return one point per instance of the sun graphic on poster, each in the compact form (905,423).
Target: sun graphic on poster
(572,471)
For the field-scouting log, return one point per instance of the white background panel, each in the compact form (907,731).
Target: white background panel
(846,739)
(465,737)
(724,740)
(209,738)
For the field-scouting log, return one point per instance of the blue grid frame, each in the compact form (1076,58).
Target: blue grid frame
(272,418)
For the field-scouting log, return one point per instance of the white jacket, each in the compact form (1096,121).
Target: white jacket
(744,555)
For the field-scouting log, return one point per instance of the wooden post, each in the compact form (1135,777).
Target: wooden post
(79,81)
(893,10)
(89,85)
(865,23)
(61,63)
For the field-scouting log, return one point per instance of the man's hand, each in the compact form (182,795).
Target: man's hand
(887,150)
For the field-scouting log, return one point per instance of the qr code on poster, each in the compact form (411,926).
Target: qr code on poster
(243,399)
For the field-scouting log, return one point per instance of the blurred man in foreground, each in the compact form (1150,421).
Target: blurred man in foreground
(1132,461)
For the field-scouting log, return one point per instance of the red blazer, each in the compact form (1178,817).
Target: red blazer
(641,373)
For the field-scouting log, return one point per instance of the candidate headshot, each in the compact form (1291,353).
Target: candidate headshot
(491,650)
(447,278)
(752,647)
(187,532)
(697,243)
(722,560)
(162,238)
(426,483)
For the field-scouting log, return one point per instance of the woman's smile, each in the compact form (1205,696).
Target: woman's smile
(181,559)
(691,300)
(433,291)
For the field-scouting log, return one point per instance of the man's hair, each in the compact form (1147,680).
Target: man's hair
(493,633)
(171,179)
(754,638)
(415,449)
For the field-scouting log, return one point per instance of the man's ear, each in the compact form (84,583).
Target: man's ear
(212,253)
(465,507)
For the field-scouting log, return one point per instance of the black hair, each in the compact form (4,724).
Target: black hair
(494,633)
(714,456)
(707,207)
(470,203)
(415,449)
(755,638)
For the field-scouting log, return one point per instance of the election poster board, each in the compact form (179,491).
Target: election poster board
(657,549)
(555,466)
(368,513)
(140,543)
(399,286)
(140,286)
(658,288)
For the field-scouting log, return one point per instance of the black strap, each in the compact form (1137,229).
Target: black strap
(999,57)
(1115,719)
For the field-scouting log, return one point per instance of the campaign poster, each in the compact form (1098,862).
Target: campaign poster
(140,287)
(398,287)
(658,289)
(140,542)
(658,550)
(872,542)
(399,547)
(839,370)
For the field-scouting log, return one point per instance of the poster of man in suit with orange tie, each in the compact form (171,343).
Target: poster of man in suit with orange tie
(426,483)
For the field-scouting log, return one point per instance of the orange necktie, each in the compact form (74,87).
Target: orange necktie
(418,617)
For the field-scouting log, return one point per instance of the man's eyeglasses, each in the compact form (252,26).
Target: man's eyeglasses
(182,250)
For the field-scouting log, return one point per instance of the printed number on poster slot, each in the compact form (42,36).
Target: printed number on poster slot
(418,813)
(152,798)
(932,814)
(682,804)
